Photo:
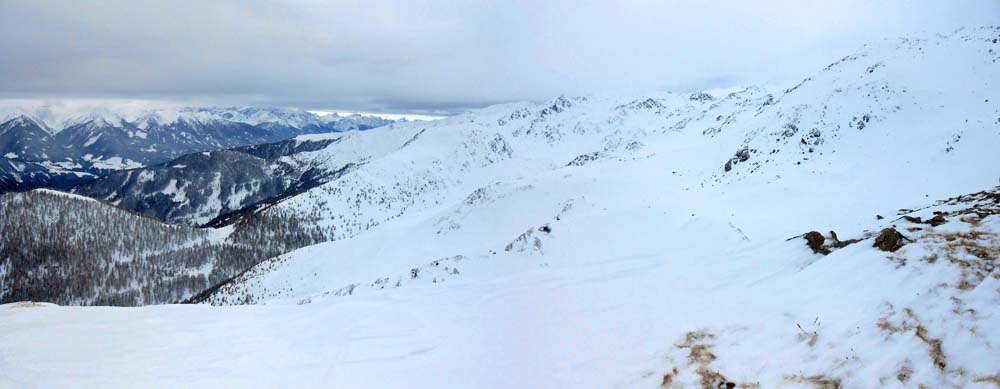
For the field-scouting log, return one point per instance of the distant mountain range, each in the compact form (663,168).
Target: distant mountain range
(38,149)
(199,188)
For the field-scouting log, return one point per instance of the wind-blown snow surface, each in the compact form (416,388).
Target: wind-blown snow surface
(610,241)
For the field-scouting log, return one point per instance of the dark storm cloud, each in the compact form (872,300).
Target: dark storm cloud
(413,55)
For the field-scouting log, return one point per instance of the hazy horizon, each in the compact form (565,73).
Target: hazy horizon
(433,59)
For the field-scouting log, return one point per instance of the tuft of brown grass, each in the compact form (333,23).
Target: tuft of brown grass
(700,355)
(816,381)
(887,327)
(934,345)
(905,372)
(992,379)
(806,336)
(975,252)
(668,378)
(973,220)
(694,337)
(935,350)
(711,379)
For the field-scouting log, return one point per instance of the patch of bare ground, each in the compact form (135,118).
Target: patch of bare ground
(668,378)
(960,310)
(992,379)
(981,204)
(905,372)
(700,355)
(976,252)
(816,381)
(912,323)
(934,347)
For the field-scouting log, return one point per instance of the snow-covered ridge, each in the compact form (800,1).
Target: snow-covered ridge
(95,141)
(64,194)
(57,120)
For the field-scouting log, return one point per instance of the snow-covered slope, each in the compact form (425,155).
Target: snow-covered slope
(614,241)
(872,117)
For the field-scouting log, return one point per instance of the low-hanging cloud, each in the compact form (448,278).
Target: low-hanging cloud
(433,56)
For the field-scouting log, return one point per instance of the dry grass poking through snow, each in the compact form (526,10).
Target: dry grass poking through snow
(910,322)
(968,239)
(993,379)
(975,251)
(959,246)
(700,355)
(816,381)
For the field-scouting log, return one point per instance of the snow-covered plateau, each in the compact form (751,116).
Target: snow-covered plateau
(841,232)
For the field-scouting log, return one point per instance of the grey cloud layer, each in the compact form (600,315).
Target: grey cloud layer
(409,56)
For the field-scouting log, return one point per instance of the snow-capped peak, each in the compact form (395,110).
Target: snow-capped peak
(55,118)
(25,120)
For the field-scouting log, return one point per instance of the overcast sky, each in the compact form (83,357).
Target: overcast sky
(415,56)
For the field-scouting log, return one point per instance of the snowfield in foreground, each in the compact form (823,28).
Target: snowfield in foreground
(614,242)
(573,314)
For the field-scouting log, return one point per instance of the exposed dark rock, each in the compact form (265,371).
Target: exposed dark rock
(741,156)
(583,159)
(844,243)
(837,243)
(701,96)
(890,240)
(937,220)
(789,130)
(815,242)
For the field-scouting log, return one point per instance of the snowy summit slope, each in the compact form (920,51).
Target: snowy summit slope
(614,241)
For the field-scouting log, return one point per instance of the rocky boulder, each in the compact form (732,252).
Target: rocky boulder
(890,240)
(815,242)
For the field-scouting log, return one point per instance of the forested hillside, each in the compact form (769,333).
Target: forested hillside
(71,250)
